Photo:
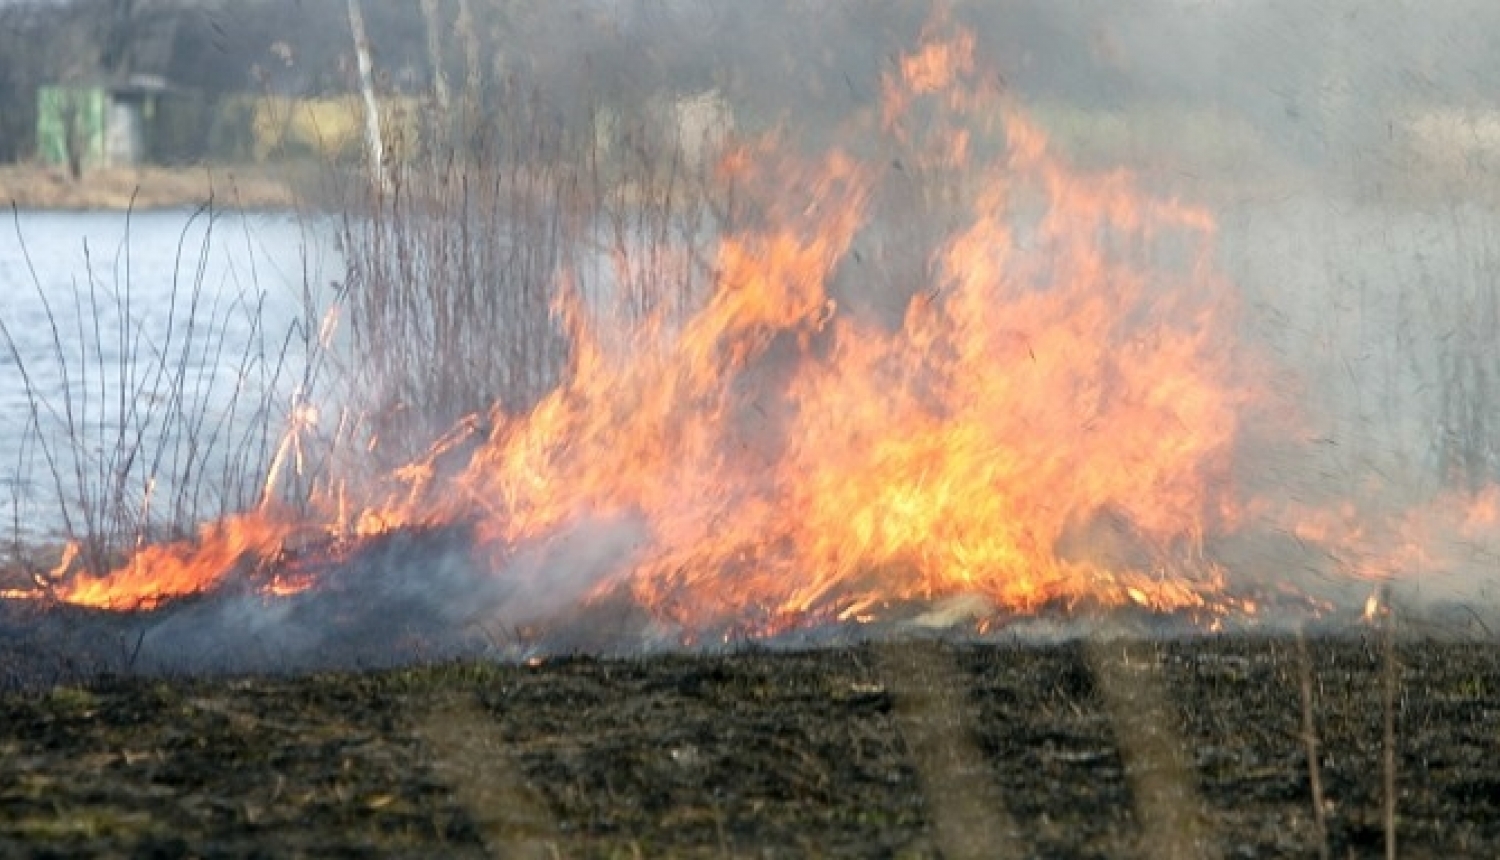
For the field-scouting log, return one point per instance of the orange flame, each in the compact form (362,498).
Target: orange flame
(159,572)
(1440,537)
(1051,420)
(1042,386)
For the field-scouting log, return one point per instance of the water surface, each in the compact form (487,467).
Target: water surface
(160,334)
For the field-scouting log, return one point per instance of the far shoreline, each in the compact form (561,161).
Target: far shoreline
(36,187)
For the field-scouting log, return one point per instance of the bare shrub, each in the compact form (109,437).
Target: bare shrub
(142,432)
(451,304)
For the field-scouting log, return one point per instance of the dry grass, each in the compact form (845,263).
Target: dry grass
(936,721)
(1158,766)
(1310,742)
(451,304)
(28,186)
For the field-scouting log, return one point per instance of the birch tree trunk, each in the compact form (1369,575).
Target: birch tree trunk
(471,106)
(468,26)
(435,54)
(374,143)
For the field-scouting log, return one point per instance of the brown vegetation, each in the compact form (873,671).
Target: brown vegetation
(39,187)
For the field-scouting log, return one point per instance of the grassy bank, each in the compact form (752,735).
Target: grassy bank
(30,186)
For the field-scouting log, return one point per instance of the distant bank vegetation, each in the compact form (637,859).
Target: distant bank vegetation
(1219,83)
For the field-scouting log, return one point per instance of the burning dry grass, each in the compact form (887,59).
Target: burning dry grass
(709,405)
(139,433)
(787,390)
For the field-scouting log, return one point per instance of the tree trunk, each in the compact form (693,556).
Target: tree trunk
(374,143)
(470,30)
(435,54)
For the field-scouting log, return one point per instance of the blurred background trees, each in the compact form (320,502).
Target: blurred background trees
(1284,66)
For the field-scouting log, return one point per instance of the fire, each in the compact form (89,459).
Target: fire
(1437,538)
(789,457)
(1051,420)
(785,456)
(159,572)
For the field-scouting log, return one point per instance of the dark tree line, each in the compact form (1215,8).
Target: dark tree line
(216,47)
(1276,61)
(565,58)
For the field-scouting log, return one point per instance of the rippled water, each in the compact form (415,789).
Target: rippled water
(164,329)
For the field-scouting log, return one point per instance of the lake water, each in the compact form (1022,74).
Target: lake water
(164,329)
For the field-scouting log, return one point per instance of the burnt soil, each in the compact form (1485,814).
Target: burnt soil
(873,750)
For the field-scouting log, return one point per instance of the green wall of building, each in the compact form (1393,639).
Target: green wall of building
(69,117)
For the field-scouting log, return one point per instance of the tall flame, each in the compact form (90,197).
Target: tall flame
(785,456)
(1052,418)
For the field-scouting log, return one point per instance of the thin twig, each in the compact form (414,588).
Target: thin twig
(1388,708)
(1310,739)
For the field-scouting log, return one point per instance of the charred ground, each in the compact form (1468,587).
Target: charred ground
(869,750)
